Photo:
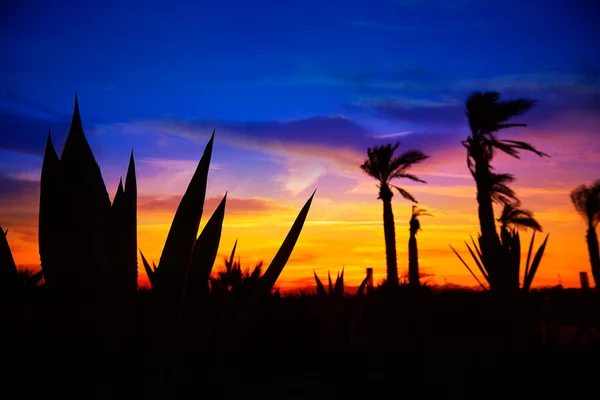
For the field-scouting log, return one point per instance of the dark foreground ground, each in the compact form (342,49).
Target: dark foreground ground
(292,374)
(434,345)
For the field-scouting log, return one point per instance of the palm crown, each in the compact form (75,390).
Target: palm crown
(384,166)
(487,115)
(516,217)
(586,200)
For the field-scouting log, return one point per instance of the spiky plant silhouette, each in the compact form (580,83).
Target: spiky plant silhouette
(385,167)
(88,245)
(338,319)
(9,274)
(181,279)
(235,280)
(586,200)
(487,116)
(413,253)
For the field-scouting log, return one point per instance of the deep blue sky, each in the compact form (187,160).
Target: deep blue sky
(257,60)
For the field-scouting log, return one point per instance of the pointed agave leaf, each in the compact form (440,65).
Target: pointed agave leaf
(149,271)
(535,264)
(272,273)
(320,288)
(51,220)
(528,257)
(8,268)
(87,209)
(205,253)
(330,283)
(478,263)
(176,254)
(339,285)
(362,287)
(130,226)
(476,248)
(465,264)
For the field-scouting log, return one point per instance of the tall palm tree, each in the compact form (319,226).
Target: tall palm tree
(413,253)
(586,200)
(383,166)
(488,115)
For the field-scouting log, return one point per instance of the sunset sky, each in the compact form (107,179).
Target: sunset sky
(297,91)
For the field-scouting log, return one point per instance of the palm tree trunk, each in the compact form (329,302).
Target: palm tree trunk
(490,242)
(413,261)
(390,242)
(592,242)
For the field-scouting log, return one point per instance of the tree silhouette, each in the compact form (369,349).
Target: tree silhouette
(513,217)
(487,116)
(383,166)
(586,200)
(413,254)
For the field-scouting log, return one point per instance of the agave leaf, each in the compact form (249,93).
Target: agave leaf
(149,271)
(130,225)
(528,257)
(176,254)
(535,264)
(476,248)
(320,288)
(87,211)
(229,263)
(205,252)
(51,218)
(339,285)
(330,283)
(362,287)
(272,273)
(465,264)
(479,264)
(8,268)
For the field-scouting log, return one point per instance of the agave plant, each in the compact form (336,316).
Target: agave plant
(181,279)
(233,279)
(337,319)
(88,244)
(511,247)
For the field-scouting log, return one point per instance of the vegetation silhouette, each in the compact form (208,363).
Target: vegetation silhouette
(413,253)
(498,259)
(383,166)
(586,200)
(207,332)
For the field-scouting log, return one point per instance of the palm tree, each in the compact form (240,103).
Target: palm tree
(413,254)
(586,200)
(487,116)
(383,166)
(513,217)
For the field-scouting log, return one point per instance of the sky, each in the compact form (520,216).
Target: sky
(297,91)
